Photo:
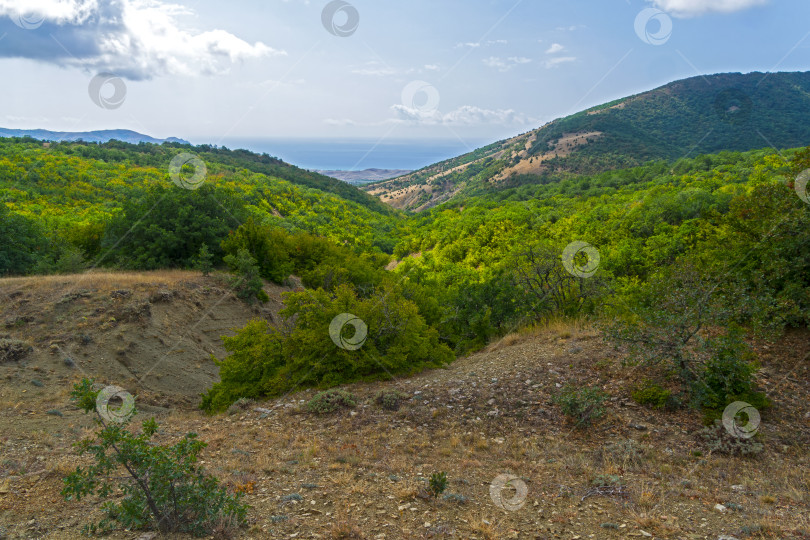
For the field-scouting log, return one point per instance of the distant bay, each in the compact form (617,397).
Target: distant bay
(356,154)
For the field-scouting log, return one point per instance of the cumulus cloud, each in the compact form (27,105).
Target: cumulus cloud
(555,48)
(693,8)
(136,39)
(467,115)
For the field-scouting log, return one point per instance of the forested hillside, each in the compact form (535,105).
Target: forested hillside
(728,232)
(699,115)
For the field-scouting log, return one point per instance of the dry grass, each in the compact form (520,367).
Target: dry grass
(99,279)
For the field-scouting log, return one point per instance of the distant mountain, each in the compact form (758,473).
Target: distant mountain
(366,176)
(123,135)
(699,115)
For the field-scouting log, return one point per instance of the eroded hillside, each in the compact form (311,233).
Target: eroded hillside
(638,472)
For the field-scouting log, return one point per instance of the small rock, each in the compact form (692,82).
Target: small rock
(737,488)
(644,533)
(720,508)
(639,427)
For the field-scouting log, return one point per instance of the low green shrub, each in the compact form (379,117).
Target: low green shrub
(728,376)
(651,393)
(390,400)
(437,483)
(582,405)
(330,401)
(148,486)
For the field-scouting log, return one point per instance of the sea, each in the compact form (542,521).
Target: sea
(357,154)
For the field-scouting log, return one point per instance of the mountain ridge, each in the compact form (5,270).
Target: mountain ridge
(97,136)
(698,115)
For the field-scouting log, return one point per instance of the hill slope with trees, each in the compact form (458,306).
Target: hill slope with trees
(699,115)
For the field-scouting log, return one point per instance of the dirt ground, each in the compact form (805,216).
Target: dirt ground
(361,473)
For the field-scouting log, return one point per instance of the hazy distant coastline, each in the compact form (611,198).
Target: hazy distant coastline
(365,176)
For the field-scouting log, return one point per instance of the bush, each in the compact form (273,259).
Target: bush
(330,401)
(246,281)
(240,405)
(437,483)
(265,361)
(651,393)
(728,375)
(583,406)
(719,441)
(12,350)
(204,260)
(389,400)
(269,246)
(165,488)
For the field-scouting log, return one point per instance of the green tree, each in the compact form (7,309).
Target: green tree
(269,246)
(246,280)
(204,260)
(22,243)
(166,226)
(265,361)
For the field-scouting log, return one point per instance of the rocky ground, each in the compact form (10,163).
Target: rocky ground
(362,472)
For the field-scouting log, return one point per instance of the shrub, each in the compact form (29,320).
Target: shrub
(728,375)
(671,315)
(330,401)
(456,498)
(12,350)
(204,262)
(165,488)
(719,441)
(437,483)
(266,361)
(246,281)
(241,404)
(583,406)
(651,393)
(269,247)
(389,400)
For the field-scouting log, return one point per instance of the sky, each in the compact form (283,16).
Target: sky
(474,70)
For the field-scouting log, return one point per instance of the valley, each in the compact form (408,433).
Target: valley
(595,329)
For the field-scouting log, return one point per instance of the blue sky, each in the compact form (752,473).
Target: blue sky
(210,71)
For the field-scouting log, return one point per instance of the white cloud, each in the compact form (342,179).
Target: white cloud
(555,48)
(137,39)
(556,61)
(505,64)
(466,115)
(375,72)
(571,28)
(471,45)
(693,8)
(431,67)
